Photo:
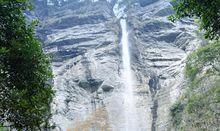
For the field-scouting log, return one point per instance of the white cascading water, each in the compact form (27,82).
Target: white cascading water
(128,81)
(129,105)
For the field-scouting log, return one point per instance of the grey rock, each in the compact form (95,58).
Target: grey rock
(91,85)
(165,12)
(154,26)
(146,2)
(107,88)
(84,38)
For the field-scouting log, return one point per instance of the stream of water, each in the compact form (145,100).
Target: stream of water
(128,81)
(129,105)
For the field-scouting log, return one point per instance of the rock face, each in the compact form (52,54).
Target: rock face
(160,47)
(84,39)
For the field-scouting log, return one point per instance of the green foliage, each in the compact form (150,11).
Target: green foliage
(205,56)
(176,113)
(25,91)
(207,11)
(1,127)
(202,109)
(198,108)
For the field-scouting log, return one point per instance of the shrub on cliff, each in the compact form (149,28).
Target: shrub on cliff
(198,107)
(25,93)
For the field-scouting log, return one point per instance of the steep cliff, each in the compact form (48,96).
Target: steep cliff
(162,49)
(84,39)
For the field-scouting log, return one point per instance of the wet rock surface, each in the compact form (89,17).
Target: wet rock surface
(84,40)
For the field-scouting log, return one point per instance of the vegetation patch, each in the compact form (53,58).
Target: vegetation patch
(199,106)
(203,57)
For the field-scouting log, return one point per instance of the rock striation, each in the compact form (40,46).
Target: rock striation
(83,38)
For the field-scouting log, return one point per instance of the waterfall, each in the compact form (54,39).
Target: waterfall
(130,113)
(128,81)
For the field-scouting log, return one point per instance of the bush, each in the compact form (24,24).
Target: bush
(198,108)
(205,56)
(176,113)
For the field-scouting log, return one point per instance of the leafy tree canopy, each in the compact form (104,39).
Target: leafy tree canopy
(25,93)
(207,11)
